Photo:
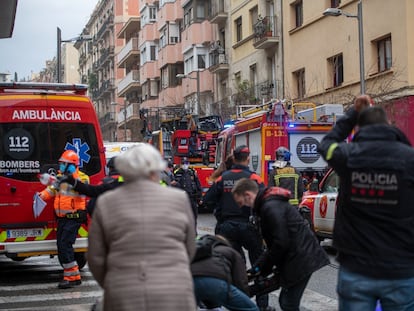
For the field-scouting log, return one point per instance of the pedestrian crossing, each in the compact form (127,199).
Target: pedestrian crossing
(32,285)
(39,292)
(46,297)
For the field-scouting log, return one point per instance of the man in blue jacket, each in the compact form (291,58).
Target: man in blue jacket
(374,226)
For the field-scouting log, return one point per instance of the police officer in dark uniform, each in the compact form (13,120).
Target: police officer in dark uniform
(186,178)
(233,222)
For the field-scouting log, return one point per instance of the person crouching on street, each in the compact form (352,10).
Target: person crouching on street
(291,245)
(220,279)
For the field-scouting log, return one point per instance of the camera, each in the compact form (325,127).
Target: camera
(259,285)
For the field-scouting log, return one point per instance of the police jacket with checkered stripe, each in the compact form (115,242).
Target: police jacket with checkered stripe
(374,225)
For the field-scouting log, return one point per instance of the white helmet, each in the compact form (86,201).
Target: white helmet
(140,161)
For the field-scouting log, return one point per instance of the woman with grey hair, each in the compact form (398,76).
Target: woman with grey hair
(142,239)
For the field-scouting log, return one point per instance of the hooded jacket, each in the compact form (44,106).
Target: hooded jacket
(374,226)
(291,245)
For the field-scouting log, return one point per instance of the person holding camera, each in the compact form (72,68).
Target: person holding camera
(70,209)
(291,245)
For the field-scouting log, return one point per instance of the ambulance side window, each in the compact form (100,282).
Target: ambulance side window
(29,148)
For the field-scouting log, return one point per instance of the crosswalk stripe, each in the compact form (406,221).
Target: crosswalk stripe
(51,297)
(39,286)
(311,300)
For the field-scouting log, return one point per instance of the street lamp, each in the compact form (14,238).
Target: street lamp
(59,50)
(338,12)
(181,76)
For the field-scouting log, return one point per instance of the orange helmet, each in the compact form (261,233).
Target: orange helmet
(69,156)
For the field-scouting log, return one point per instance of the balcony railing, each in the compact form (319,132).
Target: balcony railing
(217,13)
(109,117)
(106,53)
(219,62)
(131,78)
(265,33)
(105,26)
(131,46)
(262,91)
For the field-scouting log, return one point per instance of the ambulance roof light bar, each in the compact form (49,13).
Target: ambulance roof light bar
(79,89)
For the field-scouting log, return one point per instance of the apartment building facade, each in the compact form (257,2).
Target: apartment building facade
(215,56)
(98,64)
(321,53)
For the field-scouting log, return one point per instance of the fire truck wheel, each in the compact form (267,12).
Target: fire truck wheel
(80,259)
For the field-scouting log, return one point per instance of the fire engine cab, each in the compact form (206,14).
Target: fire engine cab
(193,138)
(265,128)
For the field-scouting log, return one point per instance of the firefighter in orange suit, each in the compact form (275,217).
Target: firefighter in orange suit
(70,209)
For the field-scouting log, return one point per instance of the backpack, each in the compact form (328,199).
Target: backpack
(205,246)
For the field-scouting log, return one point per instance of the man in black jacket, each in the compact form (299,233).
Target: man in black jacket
(221,279)
(291,245)
(374,225)
(232,221)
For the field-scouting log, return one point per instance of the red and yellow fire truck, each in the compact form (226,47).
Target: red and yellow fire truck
(192,138)
(265,128)
(37,123)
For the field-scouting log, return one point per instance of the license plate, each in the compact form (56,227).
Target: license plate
(24,233)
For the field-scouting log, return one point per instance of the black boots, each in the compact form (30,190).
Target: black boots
(69,284)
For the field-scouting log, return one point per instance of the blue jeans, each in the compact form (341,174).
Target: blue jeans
(215,292)
(360,293)
(243,235)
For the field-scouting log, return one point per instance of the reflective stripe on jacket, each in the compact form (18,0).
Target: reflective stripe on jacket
(67,200)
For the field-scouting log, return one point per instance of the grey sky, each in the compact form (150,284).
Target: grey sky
(34,35)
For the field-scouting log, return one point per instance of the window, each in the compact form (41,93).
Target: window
(152,52)
(173,40)
(336,65)
(335,3)
(152,14)
(188,65)
(201,61)
(254,16)
(384,50)
(201,10)
(238,24)
(298,6)
(299,77)
(143,56)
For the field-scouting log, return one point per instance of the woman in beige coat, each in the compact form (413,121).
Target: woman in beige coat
(142,239)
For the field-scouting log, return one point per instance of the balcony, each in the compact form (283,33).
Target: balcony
(218,15)
(219,63)
(107,120)
(106,55)
(128,83)
(129,54)
(265,33)
(105,27)
(130,115)
(82,59)
(253,94)
(106,87)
